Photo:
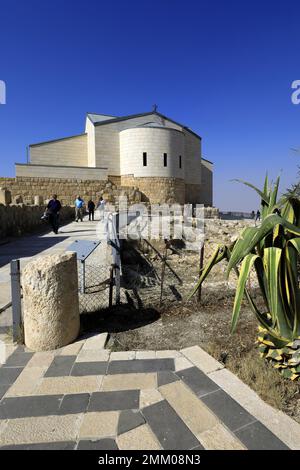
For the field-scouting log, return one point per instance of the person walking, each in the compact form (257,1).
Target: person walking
(53,208)
(257,217)
(91,209)
(79,203)
(101,207)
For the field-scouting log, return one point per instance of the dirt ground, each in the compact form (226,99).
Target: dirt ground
(153,319)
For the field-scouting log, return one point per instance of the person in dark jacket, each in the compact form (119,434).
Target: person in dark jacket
(91,209)
(53,209)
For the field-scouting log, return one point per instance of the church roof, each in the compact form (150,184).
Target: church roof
(94,117)
(112,119)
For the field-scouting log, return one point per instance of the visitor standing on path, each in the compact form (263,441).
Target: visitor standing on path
(257,217)
(101,207)
(79,203)
(53,208)
(91,209)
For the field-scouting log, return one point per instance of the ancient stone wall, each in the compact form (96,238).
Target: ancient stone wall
(157,190)
(15,220)
(115,179)
(66,189)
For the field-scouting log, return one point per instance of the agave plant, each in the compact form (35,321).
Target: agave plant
(272,251)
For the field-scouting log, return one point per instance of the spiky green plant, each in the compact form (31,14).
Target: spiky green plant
(271,249)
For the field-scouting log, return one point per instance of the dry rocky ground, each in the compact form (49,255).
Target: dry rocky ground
(143,322)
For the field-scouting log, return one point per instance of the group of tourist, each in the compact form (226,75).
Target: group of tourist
(256,216)
(54,206)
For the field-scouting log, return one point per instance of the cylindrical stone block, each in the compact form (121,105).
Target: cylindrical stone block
(50,302)
(38,200)
(5,196)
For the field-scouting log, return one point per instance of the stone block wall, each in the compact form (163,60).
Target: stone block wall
(157,190)
(16,220)
(66,189)
(211,213)
(115,179)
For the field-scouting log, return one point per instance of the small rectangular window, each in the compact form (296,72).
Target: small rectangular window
(144,158)
(180,164)
(165,159)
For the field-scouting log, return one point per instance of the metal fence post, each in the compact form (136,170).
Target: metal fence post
(201,260)
(16,298)
(115,242)
(82,268)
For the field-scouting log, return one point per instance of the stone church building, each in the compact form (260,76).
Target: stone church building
(148,152)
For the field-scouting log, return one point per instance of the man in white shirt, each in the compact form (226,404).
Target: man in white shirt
(101,207)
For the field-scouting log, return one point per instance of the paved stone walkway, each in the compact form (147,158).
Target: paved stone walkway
(86,397)
(30,246)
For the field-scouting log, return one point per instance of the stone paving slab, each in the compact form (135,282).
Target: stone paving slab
(170,430)
(199,382)
(76,403)
(130,382)
(97,425)
(117,400)
(85,397)
(22,407)
(101,444)
(42,446)
(61,366)
(279,423)
(139,366)
(81,369)
(67,385)
(128,420)
(36,430)
(233,415)
(27,382)
(141,438)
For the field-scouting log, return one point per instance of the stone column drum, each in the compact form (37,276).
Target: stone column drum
(50,300)
(38,200)
(5,196)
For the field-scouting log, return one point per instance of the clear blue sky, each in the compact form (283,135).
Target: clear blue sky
(224,68)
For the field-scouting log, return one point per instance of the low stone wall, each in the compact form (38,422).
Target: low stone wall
(15,220)
(211,213)
(157,190)
(66,189)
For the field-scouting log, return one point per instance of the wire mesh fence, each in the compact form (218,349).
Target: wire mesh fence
(94,283)
(148,278)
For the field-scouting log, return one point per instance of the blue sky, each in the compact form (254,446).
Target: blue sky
(224,68)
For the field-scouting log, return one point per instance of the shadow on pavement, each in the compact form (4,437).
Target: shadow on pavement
(27,246)
(118,318)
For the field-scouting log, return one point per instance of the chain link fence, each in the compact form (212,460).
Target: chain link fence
(95,281)
(149,276)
